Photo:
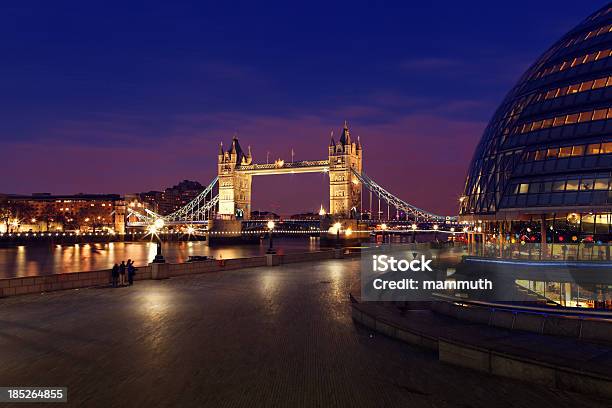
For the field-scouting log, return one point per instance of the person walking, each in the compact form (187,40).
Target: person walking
(131,270)
(122,273)
(115,275)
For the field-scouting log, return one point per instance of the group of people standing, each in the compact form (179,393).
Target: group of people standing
(119,272)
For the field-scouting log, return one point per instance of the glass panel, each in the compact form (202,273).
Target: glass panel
(547,123)
(573,118)
(600,83)
(602,183)
(552,153)
(540,155)
(558,185)
(573,88)
(606,148)
(593,149)
(523,188)
(551,94)
(585,116)
(571,185)
(600,114)
(578,150)
(565,151)
(563,91)
(585,86)
(587,184)
(559,120)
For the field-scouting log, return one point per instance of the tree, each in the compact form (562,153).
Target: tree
(13,212)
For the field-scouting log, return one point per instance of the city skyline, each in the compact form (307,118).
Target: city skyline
(140,101)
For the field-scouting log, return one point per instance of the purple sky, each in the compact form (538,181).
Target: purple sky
(128,99)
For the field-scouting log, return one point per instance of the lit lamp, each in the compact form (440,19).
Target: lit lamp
(270,226)
(337,227)
(414,228)
(383,228)
(153,229)
(435,227)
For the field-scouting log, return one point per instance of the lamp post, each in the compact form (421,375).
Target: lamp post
(435,227)
(414,228)
(383,228)
(270,229)
(337,226)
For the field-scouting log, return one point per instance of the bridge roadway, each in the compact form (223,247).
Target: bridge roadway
(280,336)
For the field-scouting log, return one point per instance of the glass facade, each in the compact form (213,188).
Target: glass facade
(547,151)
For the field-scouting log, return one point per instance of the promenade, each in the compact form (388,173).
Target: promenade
(267,336)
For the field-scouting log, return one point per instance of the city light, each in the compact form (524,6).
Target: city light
(414,227)
(322,211)
(270,225)
(435,227)
(348,231)
(383,227)
(190,230)
(159,223)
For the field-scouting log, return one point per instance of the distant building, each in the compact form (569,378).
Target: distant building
(264,215)
(306,216)
(47,212)
(172,198)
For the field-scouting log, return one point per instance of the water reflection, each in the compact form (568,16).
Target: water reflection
(46,260)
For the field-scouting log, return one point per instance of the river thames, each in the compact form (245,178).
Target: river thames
(50,259)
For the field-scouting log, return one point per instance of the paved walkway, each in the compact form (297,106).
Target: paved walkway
(279,336)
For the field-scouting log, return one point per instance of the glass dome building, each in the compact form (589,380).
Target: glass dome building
(545,159)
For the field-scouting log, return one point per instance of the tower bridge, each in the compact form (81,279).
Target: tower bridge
(228,197)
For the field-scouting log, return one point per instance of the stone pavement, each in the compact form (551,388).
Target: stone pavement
(280,336)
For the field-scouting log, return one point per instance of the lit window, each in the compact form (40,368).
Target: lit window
(523,188)
(600,114)
(565,151)
(551,94)
(558,185)
(536,125)
(593,149)
(563,91)
(559,120)
(585,86)
(540,155)
(577,150)
(601,184)
(573,118)
(590,58)
(552,153)
(599,83)
(587,184)
(573,88)
(547,123)
(572,185)
(606,148)
(585,116)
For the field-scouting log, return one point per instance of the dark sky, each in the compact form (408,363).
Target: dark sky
(132,96)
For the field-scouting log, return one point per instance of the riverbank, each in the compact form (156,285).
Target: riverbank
(78,280)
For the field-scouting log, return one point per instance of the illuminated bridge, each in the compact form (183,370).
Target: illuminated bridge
(352,193)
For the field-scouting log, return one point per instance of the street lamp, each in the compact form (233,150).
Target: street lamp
(414,228)
(435,227)
(383,228)
(337,227)
(270,226)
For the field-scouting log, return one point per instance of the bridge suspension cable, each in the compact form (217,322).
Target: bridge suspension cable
(399,204)
(199,210)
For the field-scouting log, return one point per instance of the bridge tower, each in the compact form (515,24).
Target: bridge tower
(344,188)
(234,186)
